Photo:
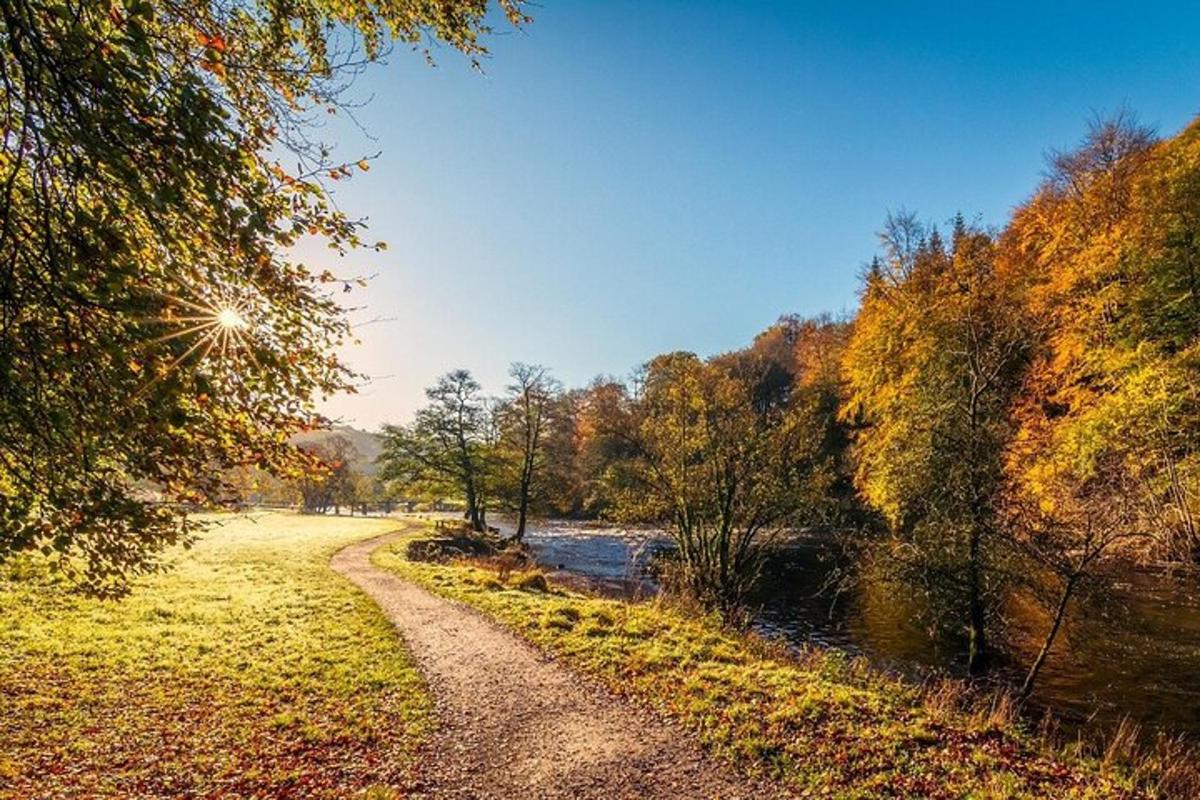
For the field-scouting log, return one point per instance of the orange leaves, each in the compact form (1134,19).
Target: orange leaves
(214,47)
(1096,249)
(215,42)
(280,174)
(344,170)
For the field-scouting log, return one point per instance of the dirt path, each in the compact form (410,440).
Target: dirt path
(513,723)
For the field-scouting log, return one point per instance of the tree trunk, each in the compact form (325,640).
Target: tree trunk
(1060,614)
(977,652)
(521,516)
(473,509)
(522,509)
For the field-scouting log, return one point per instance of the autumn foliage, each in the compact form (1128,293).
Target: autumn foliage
(156,329)
(1025,401)
(1106,257)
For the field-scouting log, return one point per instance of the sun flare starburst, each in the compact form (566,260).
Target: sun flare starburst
(221,326)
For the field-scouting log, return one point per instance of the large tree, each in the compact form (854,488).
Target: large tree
(1105,463)
(1109,252)
(934,360)
(524,419)
(154,330)
(448,449)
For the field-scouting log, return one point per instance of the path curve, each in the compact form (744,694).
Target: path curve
(514,723)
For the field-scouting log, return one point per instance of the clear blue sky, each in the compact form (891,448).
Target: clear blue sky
(635,177)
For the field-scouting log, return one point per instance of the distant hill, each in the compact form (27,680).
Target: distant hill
(368,445)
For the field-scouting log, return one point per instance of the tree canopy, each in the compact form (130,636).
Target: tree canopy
(155,328)
(728,459)
(1107,253)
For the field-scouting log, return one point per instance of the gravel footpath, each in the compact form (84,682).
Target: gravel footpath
(513,723)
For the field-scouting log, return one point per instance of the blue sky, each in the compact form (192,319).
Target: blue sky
(631,177)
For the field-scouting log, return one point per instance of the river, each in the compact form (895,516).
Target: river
(1136,657)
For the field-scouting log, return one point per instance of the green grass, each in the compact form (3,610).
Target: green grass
(828,725)
(250,669)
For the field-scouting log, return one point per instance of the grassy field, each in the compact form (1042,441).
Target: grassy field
(826,724)
(248,670)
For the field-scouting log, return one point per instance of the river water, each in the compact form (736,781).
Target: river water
(1136,657)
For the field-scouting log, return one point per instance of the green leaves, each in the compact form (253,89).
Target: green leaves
(449,449)
(140,197)
(723,468)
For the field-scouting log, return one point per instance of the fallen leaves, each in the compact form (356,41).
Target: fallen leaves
(249,670)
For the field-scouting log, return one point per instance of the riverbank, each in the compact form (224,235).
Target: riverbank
(826,724)
(249,669)
(1132,660)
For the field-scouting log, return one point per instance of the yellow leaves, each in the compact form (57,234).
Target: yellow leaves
(344,170)
(1100,266)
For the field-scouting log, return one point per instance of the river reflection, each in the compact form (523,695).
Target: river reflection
(1137,657)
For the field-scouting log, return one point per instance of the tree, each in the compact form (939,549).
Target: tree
(936,355)
(565,477)
(798,362)
(524,421)
(1072,539)
(605,439)
(332,481)
(449,447)
(343,478)
(728,475)
(154,330)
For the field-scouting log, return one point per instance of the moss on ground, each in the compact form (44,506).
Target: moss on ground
(249,669)
(827,724)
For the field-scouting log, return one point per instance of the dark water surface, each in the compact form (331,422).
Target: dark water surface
(1138,657)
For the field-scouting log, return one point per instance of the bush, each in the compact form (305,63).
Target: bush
(532,581)
(448,548)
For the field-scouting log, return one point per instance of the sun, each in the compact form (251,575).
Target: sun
(230,319)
